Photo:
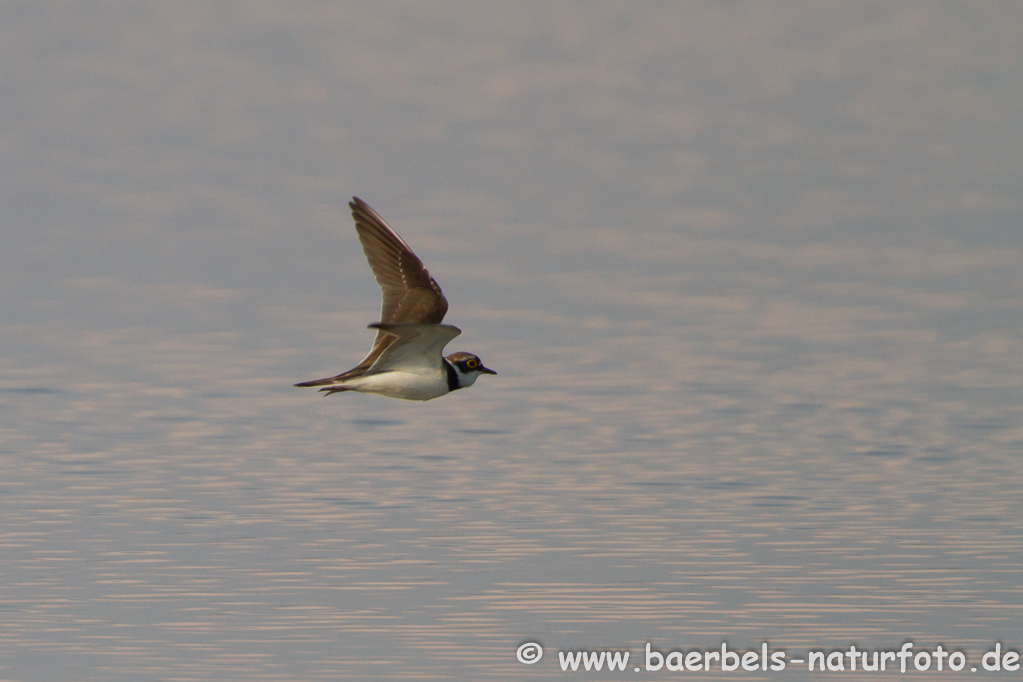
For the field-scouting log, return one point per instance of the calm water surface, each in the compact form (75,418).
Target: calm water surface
(750,276)
(811,463)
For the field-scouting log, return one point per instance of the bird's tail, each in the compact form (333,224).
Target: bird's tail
(317,382)
(335,389)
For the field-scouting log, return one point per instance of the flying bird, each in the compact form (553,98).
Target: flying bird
(406,359)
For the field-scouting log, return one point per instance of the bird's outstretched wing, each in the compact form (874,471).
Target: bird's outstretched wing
(410,294)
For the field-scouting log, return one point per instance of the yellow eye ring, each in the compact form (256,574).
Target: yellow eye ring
(471,363)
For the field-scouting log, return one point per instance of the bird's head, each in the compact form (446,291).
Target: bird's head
(469,367)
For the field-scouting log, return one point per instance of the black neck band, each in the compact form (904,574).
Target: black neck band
(452,376)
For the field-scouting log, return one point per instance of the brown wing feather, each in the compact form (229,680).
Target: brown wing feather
(410,294)
(408,290)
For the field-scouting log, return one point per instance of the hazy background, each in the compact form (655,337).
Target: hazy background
(750,274)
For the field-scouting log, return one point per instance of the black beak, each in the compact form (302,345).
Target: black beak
(484,369)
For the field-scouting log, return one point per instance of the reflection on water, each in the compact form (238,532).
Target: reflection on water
(751,281)
(721,471)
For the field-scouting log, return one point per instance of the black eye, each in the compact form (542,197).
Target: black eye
(471,363)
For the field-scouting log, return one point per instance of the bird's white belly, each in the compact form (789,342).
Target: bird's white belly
(405,385)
